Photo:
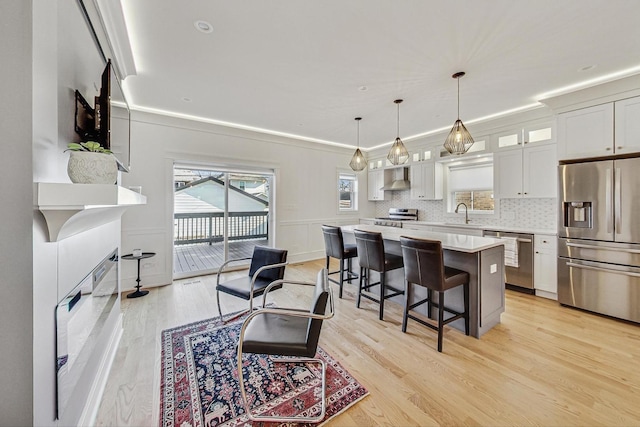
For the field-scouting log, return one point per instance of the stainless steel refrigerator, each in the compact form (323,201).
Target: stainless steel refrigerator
(599,237)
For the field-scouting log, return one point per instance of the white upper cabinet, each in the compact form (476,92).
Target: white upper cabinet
(376,180)
(422,155)
(520,137)
(426,181)
(376,164)
(627,126)
(540,171)
(508,139)
(601,130)
(527,173)
(525,162)
(537,134)
(507,169)
(587,132)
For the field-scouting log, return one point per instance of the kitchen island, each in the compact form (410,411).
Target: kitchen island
(481,257)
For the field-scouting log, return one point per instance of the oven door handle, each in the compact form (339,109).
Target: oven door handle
(604,248)
(605,270)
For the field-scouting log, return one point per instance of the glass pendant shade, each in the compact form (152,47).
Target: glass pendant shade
(398,154)
(459,139)
(358,161)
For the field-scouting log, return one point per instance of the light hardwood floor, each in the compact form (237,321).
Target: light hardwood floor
(543,365)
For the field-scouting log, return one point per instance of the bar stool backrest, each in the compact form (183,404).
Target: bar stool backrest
(423,262)
(370,250)
(333,241)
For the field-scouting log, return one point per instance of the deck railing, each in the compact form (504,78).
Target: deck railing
(208,227)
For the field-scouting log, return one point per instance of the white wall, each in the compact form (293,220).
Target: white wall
(46,54)
(306,185)
(16,309)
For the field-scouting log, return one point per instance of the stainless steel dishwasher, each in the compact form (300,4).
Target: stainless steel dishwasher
(520,272)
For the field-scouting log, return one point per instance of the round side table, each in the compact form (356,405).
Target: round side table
(138,292)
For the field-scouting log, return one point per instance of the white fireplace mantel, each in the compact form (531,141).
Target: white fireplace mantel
(73,208)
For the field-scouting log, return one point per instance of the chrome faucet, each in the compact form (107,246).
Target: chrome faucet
(466,212)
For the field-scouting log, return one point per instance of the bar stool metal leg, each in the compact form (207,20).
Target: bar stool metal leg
(440,319)
(382,287)
(407,298)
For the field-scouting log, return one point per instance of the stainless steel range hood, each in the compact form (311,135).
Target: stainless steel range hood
(400,181)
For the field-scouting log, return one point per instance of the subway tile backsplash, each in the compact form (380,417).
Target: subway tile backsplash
(538,214)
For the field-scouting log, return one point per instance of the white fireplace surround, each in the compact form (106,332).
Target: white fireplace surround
(73,208)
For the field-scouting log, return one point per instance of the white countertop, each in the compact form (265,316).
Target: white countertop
(474,226)
(455,242)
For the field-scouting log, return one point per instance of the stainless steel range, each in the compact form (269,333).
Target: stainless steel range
(397,216)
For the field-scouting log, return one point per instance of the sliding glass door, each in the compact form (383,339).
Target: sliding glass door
(218,215)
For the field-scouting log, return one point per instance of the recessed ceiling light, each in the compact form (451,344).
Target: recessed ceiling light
(203,26)
(586,68)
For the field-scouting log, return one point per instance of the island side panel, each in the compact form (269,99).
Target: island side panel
(492,292)
(454,298)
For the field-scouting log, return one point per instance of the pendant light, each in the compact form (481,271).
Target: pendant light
(459,139)
(398,154)
(358,162)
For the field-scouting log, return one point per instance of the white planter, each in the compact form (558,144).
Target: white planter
(86,167)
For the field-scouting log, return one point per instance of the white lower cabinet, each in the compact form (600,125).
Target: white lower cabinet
(545,278)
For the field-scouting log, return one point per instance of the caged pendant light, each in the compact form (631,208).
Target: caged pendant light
(358,161)
(398,154)
(459,139)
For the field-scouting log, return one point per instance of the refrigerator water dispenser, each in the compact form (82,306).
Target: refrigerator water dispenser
(577,214)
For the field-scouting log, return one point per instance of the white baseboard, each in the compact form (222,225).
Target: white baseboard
(90,412)
(306,256)
(545,294)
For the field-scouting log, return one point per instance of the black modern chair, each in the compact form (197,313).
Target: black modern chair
(335,248)
(372,256)
(287,332)
(267,265)
(424,266)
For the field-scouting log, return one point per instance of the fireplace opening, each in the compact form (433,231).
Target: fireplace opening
(80,319)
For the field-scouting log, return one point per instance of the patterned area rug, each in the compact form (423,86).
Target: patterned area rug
(200,381)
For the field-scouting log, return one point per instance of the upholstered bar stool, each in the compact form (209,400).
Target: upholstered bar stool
(373,257)
(424,266)
(335,248)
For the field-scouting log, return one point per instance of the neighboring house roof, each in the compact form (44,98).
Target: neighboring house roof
(186,203)
(210,191)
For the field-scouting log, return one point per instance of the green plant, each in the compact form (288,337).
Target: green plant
(87,146)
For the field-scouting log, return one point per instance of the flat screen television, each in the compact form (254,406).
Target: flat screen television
(108,121)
